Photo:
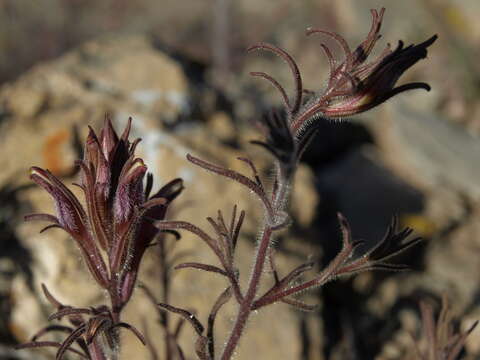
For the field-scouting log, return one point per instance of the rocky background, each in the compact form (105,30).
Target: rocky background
(180,70)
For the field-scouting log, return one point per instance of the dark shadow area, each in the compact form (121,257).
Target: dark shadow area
(366,193)
(14,258)
(351,181)
(333,140)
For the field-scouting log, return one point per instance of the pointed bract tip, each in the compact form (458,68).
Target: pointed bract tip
(108,125)
(126,132)
(430,41)
(91,132)
(341,218)
(35,171)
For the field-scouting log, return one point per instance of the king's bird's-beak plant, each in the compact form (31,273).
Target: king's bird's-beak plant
(118,218)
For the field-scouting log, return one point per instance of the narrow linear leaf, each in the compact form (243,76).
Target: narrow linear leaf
(199,266)
(180,354)
(95,326)
(133,329)
(51,328)
(300,305)
(187,315)
(232,220)
(234,175)
(221,300)
(236,232)
(174,225)
(68,312)
(293,275)
(295,107)
(280,285)
(275,83)
(50,298)
(69,341)
(37,344)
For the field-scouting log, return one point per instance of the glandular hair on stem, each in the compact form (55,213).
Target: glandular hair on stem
(281,221)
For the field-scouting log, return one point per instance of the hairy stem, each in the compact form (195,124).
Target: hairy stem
(116,304)
(299,121)
(245,307)
(162,254)
(96,351)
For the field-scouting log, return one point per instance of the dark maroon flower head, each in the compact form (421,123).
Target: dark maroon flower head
(355,86)
(115,227)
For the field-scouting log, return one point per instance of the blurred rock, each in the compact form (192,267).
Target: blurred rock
(54,101)
(222,127)
(427,149)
